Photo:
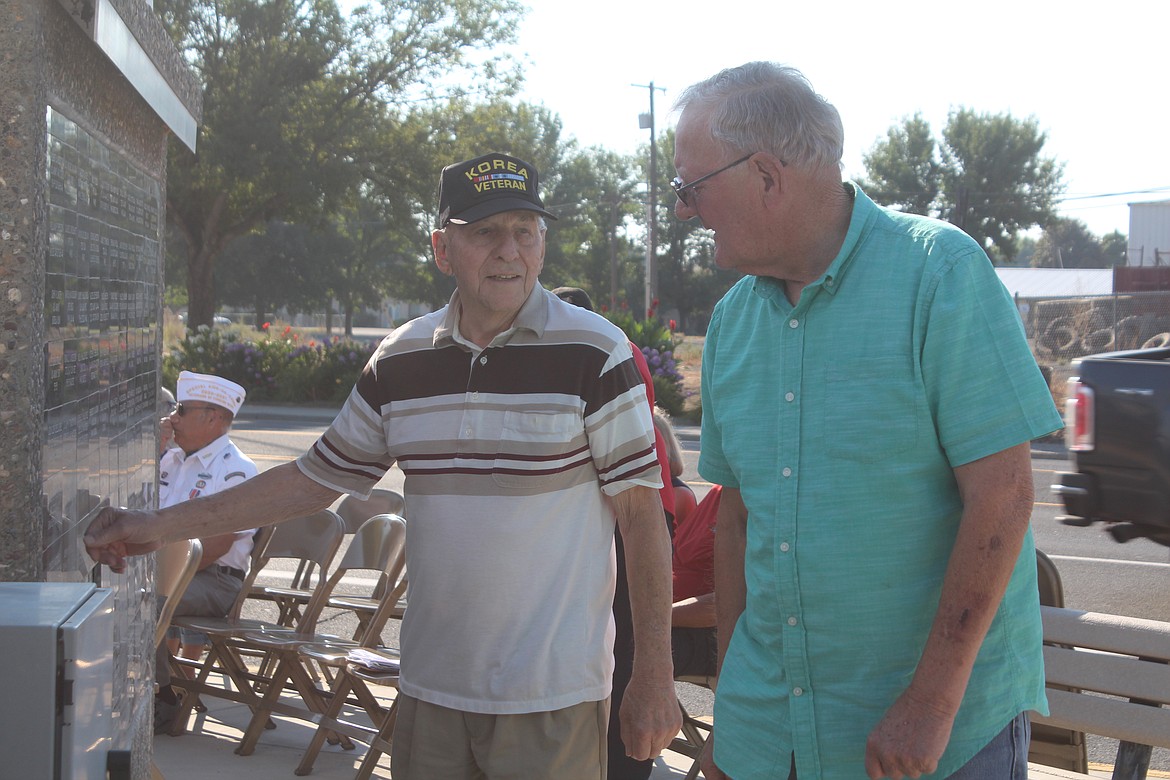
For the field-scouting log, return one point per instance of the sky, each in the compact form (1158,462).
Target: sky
(1093,75)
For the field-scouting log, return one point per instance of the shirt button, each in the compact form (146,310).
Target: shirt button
(798,691)
(785,547)
(794,323)
(483,360)
(792,621)
(474,395)
(790,397)
(467,432)
(787,472)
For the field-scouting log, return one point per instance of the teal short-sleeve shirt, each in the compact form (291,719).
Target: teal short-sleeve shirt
(841,420)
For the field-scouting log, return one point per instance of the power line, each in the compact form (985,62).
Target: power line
(1127,193)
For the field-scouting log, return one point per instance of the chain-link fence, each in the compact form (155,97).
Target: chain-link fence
(1060,330)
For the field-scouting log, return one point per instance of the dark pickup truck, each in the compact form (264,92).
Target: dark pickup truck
(1117,428)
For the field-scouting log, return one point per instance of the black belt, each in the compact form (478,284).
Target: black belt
(233,571)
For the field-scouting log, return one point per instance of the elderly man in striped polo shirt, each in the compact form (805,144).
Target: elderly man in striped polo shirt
(522,427)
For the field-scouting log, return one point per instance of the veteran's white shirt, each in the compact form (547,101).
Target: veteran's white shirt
(216,467)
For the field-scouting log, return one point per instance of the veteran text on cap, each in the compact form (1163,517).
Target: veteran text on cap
(475,189)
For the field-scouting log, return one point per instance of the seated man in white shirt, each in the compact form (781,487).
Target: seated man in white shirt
(199,459)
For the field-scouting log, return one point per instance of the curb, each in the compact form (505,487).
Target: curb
(279,412)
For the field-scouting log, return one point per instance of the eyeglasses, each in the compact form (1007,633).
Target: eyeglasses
(181,409)
(683,191)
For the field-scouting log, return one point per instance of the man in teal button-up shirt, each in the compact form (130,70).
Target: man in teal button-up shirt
(868,399)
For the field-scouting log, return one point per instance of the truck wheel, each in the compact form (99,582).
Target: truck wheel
(1154,342)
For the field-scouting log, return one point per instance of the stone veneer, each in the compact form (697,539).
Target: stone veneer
(82,193)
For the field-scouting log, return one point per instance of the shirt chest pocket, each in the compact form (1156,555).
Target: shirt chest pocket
(872,410)
(537,448)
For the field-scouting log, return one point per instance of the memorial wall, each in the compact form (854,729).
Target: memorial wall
(90,93)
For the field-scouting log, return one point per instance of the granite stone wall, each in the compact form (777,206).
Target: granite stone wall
(83,148)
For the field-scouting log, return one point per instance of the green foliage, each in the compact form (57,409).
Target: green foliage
(903,171)
(688,281)
(650,332)
(301,105)
(281,368)
(279,267)
(1115,249)
(1067,243)
(989,178)
(657,343)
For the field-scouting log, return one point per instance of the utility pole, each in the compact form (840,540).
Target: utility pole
(647,121)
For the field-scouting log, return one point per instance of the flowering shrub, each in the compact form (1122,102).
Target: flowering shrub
(657,343)
(281,368)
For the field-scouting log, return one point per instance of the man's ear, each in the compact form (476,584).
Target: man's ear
(439,245)
(769,168)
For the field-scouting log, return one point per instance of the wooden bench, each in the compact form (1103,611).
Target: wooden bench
(1107,675)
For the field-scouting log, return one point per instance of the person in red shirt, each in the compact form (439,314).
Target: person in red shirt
(692,633)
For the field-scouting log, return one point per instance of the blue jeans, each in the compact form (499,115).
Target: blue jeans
(1005,757)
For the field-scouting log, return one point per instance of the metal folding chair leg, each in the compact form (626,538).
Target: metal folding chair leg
(694,731)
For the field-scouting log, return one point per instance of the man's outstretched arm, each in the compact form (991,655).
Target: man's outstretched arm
(276,495)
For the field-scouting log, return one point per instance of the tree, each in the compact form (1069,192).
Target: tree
(588,246)
(295,99)
(1115,249)
(1067,243)
(903,170)
(689,282)
(990,179)
(278,268)
(363,255)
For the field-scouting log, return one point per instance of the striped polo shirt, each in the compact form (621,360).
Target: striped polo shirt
(509,454)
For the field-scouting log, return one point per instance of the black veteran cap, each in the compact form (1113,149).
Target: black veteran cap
(474,189)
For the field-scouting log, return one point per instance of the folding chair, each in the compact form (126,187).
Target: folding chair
(382,501)
(694,731)
(316,537)
(354,511)
(175,567)
(355,679)
(304,541)
(378,546)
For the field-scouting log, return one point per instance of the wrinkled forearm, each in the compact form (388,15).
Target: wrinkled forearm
(647,550)
(997,503)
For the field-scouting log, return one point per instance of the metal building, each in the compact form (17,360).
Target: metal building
(1149,233)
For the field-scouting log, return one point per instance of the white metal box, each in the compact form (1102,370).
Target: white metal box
(56,680)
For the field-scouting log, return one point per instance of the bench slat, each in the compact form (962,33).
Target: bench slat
(1112,633)
(1107,673)
(1114,718)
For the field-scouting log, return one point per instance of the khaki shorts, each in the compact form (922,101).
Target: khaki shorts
(437,743)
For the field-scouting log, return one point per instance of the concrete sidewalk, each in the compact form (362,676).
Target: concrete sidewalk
(206,751)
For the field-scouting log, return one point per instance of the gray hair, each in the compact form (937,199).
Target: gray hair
(766,107)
